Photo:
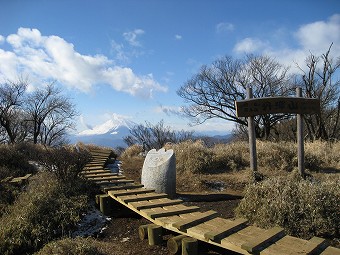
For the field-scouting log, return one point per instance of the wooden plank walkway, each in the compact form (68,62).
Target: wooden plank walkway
(17,180)
(231,234)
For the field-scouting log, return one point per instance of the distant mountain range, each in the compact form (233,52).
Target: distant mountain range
(112,132)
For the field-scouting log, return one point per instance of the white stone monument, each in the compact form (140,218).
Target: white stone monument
(159,171)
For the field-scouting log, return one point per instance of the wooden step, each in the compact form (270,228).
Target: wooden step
(331,251)
(93,168)
(117,193)
(116,182)
(166,211)
(115,187)
(258,243)
(294,245)
(221,228)
(184,224)
(87,172)
(91,175)
(107,178)
(155,203)
(141,197)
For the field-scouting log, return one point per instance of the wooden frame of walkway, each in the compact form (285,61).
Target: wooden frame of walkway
(231,234)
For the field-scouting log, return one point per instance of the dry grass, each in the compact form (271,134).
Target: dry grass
(132,151)
(197,165)
(305,208)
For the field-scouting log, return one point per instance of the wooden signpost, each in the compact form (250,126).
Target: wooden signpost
(271,105)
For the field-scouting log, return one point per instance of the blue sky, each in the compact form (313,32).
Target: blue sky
(130,57)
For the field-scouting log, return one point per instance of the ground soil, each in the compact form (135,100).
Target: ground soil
(121,236)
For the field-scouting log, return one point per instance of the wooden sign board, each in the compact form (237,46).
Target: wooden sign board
(271,105)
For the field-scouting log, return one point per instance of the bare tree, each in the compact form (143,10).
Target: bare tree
(321,80)
(49,114)
(213,91)
(155,136)
(11,101)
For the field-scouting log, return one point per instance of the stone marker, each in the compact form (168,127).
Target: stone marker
(159,171)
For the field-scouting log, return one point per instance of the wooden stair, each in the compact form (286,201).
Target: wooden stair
(231,234)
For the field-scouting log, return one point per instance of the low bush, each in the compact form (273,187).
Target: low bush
(13,162)
(65,163)
(77,246)
(8,193)
(303,207)
(40,214)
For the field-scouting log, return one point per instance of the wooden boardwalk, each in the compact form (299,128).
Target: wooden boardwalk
(231,234)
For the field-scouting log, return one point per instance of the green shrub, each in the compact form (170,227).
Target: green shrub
(39,215)
(77,246)
(303,207)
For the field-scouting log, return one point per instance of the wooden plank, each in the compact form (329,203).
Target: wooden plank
(286,245)
(117,182)
(115,187)
(107,178)
(271,105)
(95,164)
(95,172)
(26,176)
(117,193)
(331,251)
(141,197)
(93,168)
(226,229)
(155,203)
(242,236)
(314,244)
(169,211)
(258,243)
(7,179)
(195,220)
(91,175)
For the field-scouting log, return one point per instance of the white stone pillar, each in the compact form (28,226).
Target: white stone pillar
(159,171)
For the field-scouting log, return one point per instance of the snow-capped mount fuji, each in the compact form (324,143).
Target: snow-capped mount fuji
(110,133)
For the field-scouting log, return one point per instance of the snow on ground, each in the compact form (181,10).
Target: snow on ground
(94,222)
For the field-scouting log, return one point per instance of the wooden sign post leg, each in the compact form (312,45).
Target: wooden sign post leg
(301,151)
(252,137)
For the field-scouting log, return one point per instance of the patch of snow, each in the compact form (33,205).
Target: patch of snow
(93,223)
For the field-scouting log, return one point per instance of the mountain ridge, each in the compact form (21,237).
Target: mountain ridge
(112,132)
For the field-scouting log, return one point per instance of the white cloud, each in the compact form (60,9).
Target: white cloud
(249,45)
(2,39)
(51,57)
(318,36)
(118,50)
(131,37)
(169,110)
(315,38)
(178,37)
(224,27)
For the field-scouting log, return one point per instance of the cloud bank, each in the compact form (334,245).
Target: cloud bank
(313,38)
(51,57)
